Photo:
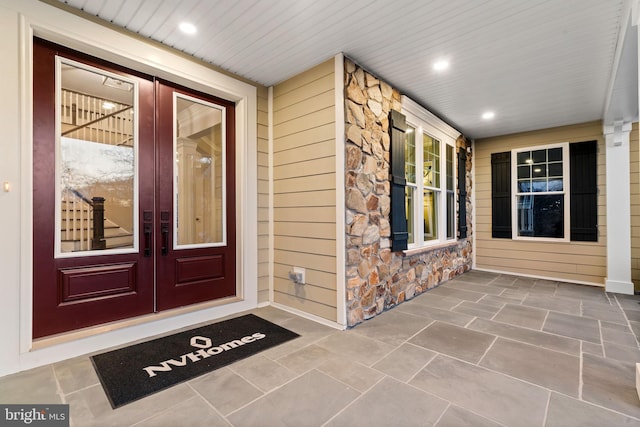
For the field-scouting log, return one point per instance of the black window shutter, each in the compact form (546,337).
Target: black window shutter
(501,195)
(583,181)
(462,193)
(399,234)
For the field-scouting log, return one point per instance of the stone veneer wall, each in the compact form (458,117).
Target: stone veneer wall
(378,279)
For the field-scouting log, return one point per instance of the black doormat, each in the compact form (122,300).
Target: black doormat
(134,372)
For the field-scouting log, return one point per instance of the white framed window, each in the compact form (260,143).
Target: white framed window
(430,191)
(540,177)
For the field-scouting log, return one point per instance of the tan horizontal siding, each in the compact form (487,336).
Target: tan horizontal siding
(304,229)
(317,278)
(325,132)
(308,121)
(263,195)
(309,198)
(304,193)
(306,305)
(302,244)
(309,292)
(574,261)
(313,261)
(305,183)
(634,165)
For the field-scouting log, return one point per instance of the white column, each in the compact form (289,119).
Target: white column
(618,209)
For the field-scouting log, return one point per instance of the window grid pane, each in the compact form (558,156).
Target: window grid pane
(410,155)
(430,209)
(451,212)
(541,215)
(409,208)
(540,171)
(431,161)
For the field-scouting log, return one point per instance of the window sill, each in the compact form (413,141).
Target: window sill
(428,248)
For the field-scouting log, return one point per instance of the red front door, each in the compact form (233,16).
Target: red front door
(134,209)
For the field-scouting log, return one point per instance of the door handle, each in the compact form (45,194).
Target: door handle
(164,229)
(148,233)
(147,218)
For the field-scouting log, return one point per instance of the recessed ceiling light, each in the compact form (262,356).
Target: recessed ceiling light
(441,65)
(488,115)
(187,28)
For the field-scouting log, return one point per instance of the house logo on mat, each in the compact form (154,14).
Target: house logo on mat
(205,350)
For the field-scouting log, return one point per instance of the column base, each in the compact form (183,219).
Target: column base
(618,287)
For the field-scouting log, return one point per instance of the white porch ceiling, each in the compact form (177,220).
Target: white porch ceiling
(535,63)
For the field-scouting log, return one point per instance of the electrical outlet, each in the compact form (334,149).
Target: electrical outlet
(297,274)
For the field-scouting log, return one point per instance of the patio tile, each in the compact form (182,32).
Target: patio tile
(551,369)
(616,326)
(33,386)
(619,337)
(633,315)
(90,406)
(583,292)
(458,417)
(392,327)
(581,328)
(455,341)
(460,319)
(392,403)
(194,412)
(476,309)
(473,287)
(263,372)
(524,283)
(518,315)
(499,301)
(404,362)
(515,293)
(635,328)
(477,276)
(353,374)
(504,279)
(445,291)
(591,348)
(562,305)
(610,383)
(356,347)
(542,339)
(436,301)
(225,390)
(565,411)
(310,400)
(75,374)
(604,312)
(627,302)
(490,394)
(306,358)
(622,352)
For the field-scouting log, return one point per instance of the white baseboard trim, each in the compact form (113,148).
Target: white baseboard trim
(618,287)
(313,317)
(534,276)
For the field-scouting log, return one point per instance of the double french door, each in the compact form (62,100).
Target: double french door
(133,193)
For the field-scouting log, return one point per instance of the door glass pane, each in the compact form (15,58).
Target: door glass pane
(96,160)
(199,167)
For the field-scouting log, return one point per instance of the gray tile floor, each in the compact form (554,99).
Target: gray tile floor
(481,350)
